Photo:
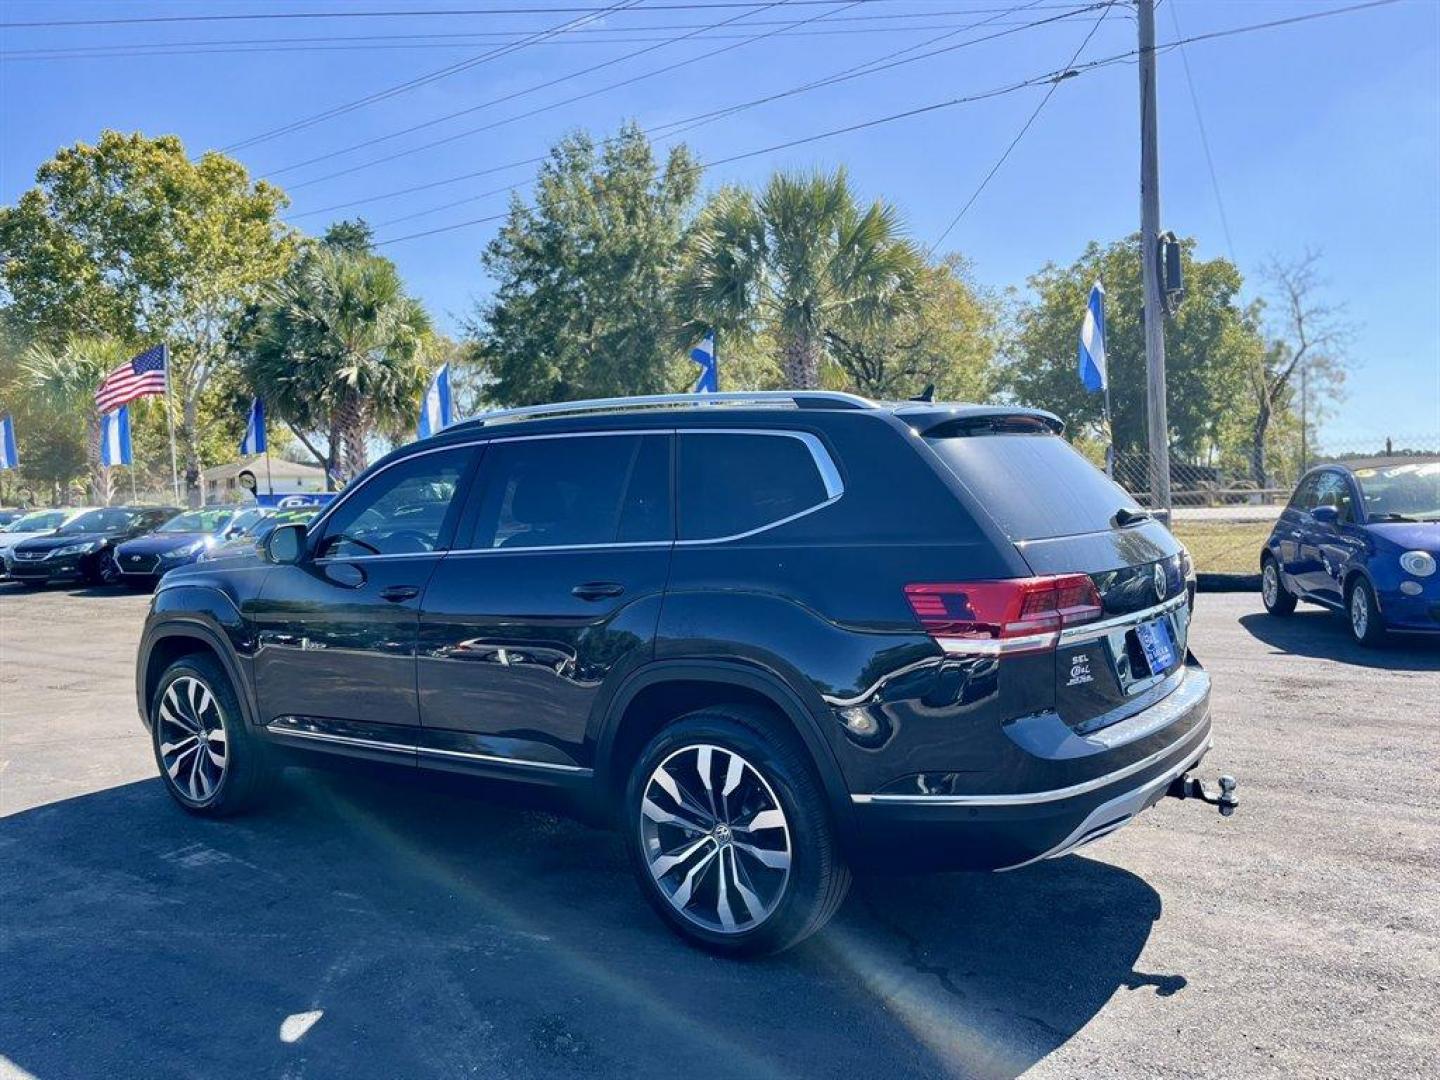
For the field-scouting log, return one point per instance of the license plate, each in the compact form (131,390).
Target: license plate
(1157,644)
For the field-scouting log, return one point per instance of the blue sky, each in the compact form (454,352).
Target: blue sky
(1324,135)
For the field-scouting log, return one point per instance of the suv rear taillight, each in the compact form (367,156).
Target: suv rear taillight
(1016,615)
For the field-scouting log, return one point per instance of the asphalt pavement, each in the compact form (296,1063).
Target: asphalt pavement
(359,928)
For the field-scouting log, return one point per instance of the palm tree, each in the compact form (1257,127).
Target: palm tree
(339,349)
(66,379)
(802,258)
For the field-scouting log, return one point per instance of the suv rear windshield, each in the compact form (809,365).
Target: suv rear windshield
(1034,486)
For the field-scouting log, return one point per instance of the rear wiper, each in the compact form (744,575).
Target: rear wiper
(1125,516)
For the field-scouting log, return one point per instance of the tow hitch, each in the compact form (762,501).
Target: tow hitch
(1192,787)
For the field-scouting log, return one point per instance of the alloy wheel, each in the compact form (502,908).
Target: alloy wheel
(1270,585)
(715,838)
(192,739)
(1359,612)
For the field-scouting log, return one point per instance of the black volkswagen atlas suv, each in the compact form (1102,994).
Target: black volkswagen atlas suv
(769,637)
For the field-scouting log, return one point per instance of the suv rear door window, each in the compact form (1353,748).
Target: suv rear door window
(1034,486)
(736,482)
(581,490)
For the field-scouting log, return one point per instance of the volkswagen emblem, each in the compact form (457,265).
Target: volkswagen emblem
(1159,581)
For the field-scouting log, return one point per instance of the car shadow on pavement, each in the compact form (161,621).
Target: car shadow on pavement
(353,929)
(1326,636)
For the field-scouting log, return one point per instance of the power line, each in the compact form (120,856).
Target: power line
(984,183)
(867,68)
(1204,139)
(263,16)
(547,84)
(426,79)
(675,128)
(1049,77)
(599,34)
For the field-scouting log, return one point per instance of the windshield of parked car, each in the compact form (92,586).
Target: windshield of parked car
(1403,491)
(197,521)
(37,521)
(99,521)
(245,521)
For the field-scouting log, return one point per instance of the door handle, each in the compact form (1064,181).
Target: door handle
(396,593)
(597,590)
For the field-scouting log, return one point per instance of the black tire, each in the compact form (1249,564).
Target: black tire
(816,878)
(1362,613)
(104,571)
(1273,595)
(195,783)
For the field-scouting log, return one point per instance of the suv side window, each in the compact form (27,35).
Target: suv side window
(402,510)
(577,490)
(735,482)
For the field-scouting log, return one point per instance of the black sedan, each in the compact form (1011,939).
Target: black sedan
(179,541)
(81,550)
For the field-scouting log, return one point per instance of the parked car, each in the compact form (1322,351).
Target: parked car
(80,550)
(246,539)
(35,523)
(11,514)
(176,542)
(1362,538)
(770,637)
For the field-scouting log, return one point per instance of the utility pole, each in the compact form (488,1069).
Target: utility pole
(1149,257)
(1304,417)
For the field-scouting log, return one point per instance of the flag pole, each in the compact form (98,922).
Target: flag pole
(1109,432)
(170,415)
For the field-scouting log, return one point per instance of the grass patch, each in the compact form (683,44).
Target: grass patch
(1224,547)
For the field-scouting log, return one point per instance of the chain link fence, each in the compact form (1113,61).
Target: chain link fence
(1218,484)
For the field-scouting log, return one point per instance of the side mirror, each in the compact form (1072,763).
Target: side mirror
(285,545)
(1326,515)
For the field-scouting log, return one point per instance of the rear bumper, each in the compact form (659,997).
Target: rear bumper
(919,832)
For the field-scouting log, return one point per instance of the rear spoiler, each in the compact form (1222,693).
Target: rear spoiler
(945,423)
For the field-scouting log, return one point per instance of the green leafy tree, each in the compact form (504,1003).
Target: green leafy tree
(947,336)
(1210,347)
(66,379)
(585,303)
(130,238)
(805,260)
(338,352)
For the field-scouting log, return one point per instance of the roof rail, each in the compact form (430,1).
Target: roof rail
(798,399)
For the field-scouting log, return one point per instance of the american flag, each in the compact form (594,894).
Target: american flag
(134,379)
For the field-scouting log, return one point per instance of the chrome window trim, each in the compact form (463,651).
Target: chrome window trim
(1031,798)
(819,454)
(824,464)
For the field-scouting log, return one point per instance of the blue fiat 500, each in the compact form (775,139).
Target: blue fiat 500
(1362,538)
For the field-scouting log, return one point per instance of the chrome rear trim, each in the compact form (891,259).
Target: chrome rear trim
(1090,631)
(1119,811)
(1031,798)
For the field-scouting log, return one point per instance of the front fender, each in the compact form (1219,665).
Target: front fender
(209,616)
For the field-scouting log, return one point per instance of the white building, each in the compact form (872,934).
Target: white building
(223,482)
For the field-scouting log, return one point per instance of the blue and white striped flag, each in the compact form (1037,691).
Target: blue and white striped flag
(1092,342)
(704,355)
(254,440)
(435,405)
(9,456)
(115,437)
